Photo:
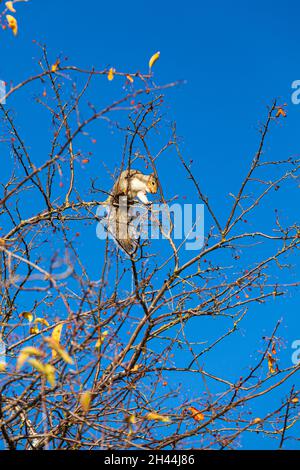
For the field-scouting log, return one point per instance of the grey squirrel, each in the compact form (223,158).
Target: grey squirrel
(131,184)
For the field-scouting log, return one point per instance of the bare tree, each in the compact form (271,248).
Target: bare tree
(95,362)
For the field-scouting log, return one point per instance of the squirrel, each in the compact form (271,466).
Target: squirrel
(131,184)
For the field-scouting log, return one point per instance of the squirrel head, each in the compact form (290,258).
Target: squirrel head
(152,184)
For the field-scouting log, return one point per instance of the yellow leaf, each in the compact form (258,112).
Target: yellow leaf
(281,112)
(101,339)
(12,23)
(32,351)
(2,367)
(10,7)
(21,359)
(135,368)
(196,414)
(111,74)
(85,400)
(271,362)
(295,400)
(45,369)
(38,365)
(59,350)
(49,371)
(153,59)
(34,330)
(157,417)
(131,419)
(42,321)
(56,334)
(28,316)
(27,352)
(257,420)
(129,78)
(55,66)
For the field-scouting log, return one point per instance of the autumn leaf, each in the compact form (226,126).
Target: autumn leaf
(85,400)
(28,316)
(271,362)
(153,59)
(56,334)
(34,330)
(281,112)
(12,23)
(153,416)
(42,321)
(111,74)
(26,353)
(131,419)
(196,414)
(129,78)
(38,365)
(101,339)
(45,369)
(32,351)
(135,368)
(10,7)
(55,66)
(295,400)
(257,420)
(49,372)
(59,350)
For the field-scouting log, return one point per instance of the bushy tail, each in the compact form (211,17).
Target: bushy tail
(119,227)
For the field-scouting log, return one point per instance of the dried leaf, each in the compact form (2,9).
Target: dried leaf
(157,417)
(135,368)
(85,400)
(34,330)
(10,7)
(101,339)
(257,420)
(42,321)
(56,334)
(55,66)
(38,365)
(49,372)
(32,351)
(281,112)
(59,350)
(111,74)
(131,419)
(129,78)
(196,414)
(271,362)
(27,352)
(45,369)
(28,316)
(12,23)
(153,59)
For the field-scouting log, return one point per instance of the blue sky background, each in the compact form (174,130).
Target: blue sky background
(235,57)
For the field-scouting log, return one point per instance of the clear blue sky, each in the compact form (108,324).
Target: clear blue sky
(235,57)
